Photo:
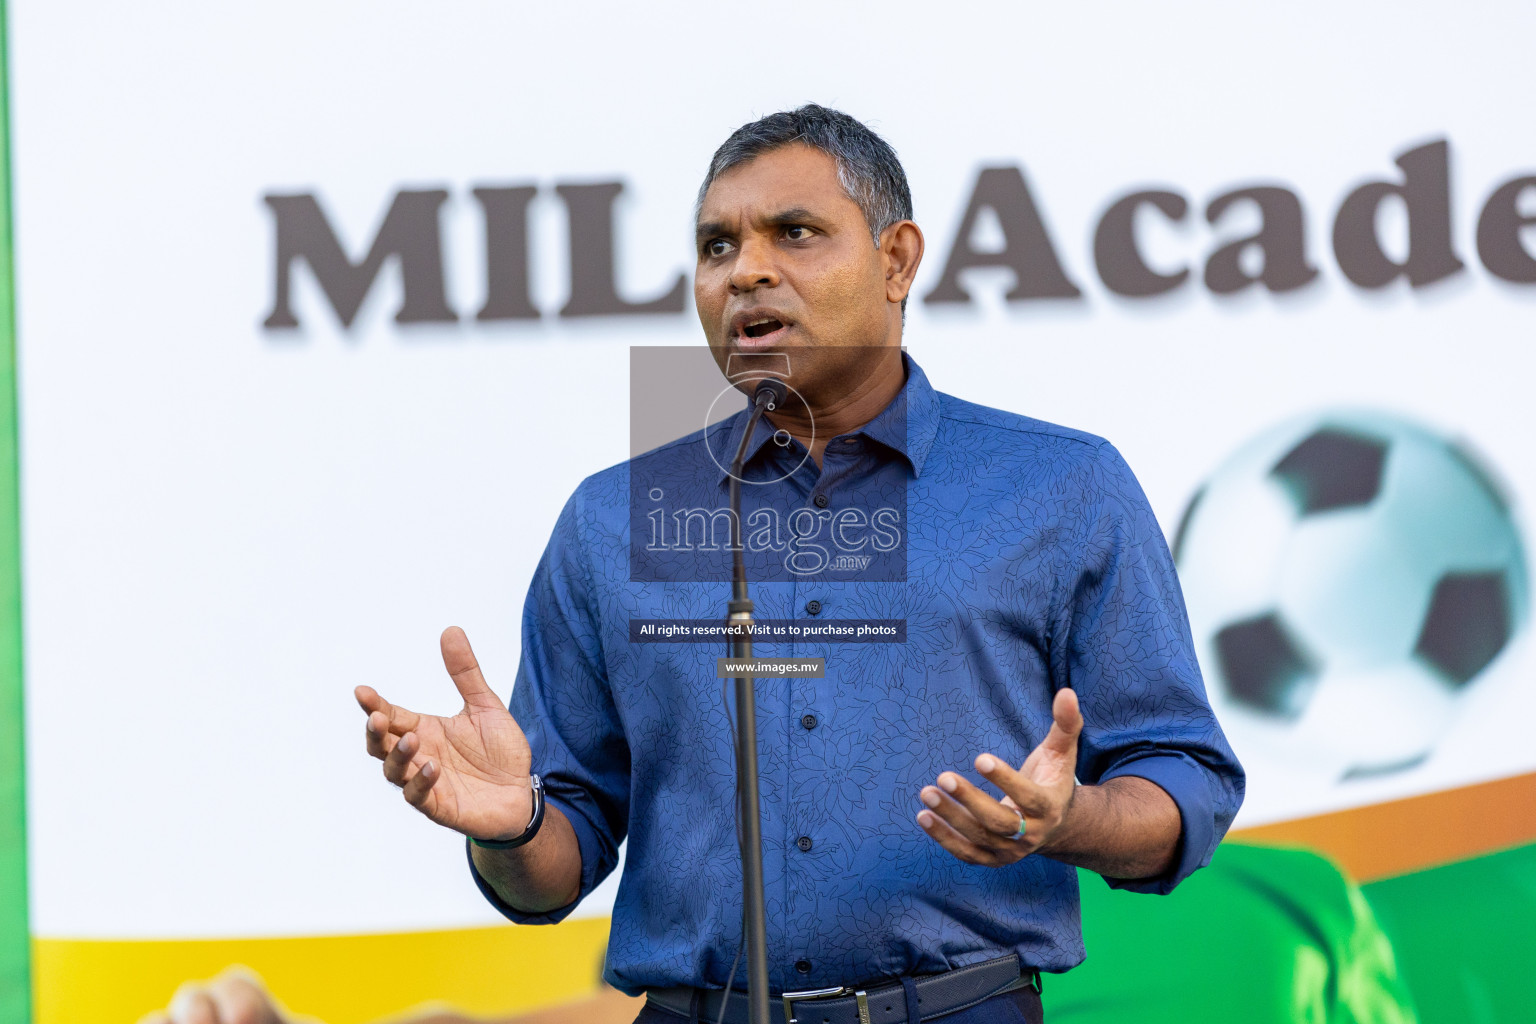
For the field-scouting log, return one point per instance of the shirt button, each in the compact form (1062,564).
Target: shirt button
(822,501)
(813,607)
(809,721)
(803,966)
(804,842)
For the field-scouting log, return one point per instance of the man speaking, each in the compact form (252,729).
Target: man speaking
(906,858)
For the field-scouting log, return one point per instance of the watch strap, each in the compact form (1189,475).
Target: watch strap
(533,822)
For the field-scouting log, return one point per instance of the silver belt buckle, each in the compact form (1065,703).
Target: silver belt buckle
(790,998)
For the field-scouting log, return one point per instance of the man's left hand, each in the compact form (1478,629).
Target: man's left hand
(981,830)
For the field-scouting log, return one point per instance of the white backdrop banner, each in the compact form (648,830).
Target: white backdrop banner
(324,310)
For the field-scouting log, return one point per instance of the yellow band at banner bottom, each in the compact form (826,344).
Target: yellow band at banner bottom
(340,979)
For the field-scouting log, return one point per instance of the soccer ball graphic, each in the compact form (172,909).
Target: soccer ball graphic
(1347,576)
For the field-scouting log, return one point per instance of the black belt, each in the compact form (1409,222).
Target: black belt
(937,994)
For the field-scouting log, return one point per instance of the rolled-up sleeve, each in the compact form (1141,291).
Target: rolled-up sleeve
(1130,657)
(563,703)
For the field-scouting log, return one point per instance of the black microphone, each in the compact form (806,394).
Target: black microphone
(770,395)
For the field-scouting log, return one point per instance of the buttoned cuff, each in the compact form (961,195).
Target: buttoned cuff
(1186,782)
(586,841)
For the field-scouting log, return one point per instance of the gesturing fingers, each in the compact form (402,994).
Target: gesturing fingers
(459,660)
(969,823)
(385,722)
(969,811)
(419,785)
(377,736)
(957,843)
(398,761)
(977,828)
(1066,724)
(397,720)
(1030,798)
(369,700)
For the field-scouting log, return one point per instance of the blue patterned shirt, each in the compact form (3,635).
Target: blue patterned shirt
(1017,557)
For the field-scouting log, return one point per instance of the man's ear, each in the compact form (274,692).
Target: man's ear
(901,250)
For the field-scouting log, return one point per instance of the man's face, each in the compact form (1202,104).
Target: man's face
(787,265)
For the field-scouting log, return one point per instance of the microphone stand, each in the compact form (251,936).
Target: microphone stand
(770,394)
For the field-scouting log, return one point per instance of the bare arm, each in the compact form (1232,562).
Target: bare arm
(1127,828)
(542,875)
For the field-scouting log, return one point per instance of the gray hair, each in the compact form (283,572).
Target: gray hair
(867,167)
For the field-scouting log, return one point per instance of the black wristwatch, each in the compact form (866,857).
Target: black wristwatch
(529,832)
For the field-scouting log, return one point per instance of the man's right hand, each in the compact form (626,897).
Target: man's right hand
(469,772)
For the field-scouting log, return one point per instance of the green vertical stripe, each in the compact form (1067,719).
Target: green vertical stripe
(15,975)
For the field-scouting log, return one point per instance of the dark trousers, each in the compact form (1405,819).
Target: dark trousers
(1021,1006)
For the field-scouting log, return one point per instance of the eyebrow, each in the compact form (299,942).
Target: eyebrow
(793,215)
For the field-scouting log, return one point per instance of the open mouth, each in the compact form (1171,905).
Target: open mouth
(760,331)
(762,328)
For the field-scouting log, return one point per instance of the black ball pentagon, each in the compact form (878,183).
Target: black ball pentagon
(1263,667)
(1332,469)
(1467,625)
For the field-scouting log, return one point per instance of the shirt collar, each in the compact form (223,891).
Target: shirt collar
(906,426)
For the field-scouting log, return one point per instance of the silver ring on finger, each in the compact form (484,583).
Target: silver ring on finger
(1019,832)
